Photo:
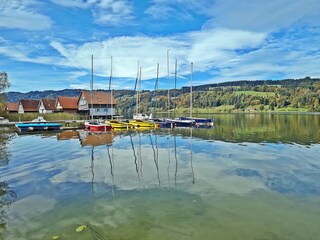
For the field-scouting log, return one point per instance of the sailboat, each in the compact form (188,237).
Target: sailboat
(94,125)
(198,122)
(178,122)
(115,124)
(140,120)
(162,122)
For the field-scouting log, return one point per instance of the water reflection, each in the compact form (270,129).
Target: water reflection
(7,194)
(162,184)
(286,128)
(158,147)
(166,158)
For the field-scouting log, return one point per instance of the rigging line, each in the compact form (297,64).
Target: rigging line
(135,89)
(92,169)
(135,156)
(154,159)
(169,158)
(111,169)
(175,156)
(191,157)
(191,88)
(168,72)
(110,91)
(91,89)
(153,99)
(139,155)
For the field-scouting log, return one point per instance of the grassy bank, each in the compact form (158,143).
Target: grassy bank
(232,109)
(15,117)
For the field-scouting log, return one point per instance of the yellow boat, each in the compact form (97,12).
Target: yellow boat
(143,124)
(115,124)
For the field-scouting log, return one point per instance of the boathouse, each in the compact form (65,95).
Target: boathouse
(103,104)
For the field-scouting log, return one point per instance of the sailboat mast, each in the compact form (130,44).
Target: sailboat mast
(168,83)
(175,87)
(156,87)
(91,88)
(191,89)
(139,95)
(137,90)
(110,91)
(154,95)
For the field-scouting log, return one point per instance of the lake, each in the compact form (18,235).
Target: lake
(251,176)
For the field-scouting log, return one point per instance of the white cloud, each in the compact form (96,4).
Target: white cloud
(246,14)
(162,9)
(105,12)
(207,48)
(73,3)
(269,15)
(22,15)
(24,52)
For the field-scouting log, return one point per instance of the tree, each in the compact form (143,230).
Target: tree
(4,82)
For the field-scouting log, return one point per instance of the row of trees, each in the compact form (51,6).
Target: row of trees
(262,97)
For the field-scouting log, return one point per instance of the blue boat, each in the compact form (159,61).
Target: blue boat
(178,122)
(199,122)
(162,123)
(39,126)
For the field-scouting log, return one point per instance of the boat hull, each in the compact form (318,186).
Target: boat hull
(200,122)
(144,124)
(117,125)
(180,123)
(95,127)
(28,127)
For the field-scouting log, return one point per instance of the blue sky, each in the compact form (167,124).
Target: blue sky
(47,45)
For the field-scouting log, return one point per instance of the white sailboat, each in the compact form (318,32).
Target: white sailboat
(198,122)
(94,125)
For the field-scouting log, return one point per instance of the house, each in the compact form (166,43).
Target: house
(12,107)
(103,104)
(67,104)
(47,105)
(28,106)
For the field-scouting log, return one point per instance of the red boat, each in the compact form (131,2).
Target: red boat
(94,126)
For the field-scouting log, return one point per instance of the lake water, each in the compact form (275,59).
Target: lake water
(252,176)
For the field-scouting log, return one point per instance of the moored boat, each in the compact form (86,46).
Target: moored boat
(199,122)
(180,122)
(32,126)
(162,123)
(95,126)
(144,124)
(115,124)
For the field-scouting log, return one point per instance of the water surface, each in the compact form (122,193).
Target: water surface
(250,177)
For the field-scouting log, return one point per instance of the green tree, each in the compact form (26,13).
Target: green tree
(4,82)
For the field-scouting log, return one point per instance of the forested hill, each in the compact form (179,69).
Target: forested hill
(288,83)
(16,96)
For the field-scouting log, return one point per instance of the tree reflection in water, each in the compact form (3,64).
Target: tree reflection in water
(7,195)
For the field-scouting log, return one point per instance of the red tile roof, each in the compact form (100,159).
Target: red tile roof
(49,103)
(99,97)
(30,105)
(68,102)
(12,107)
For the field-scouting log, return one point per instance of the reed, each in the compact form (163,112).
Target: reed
(15,117)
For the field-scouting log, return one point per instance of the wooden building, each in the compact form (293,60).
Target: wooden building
(12,107)
(103,104)
(28,106)
(67,104)
(47,105)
